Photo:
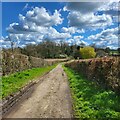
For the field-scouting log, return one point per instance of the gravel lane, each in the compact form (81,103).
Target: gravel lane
(50,99)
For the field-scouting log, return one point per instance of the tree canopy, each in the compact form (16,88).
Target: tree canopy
(87,52)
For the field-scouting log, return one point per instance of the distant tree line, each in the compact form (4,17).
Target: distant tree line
(50,49)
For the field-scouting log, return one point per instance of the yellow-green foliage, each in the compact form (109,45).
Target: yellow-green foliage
(87,52)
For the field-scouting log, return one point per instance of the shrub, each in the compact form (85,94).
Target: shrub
(104,71)
(12,63)
(87,52)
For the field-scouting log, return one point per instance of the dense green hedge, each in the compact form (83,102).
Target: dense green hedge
(104,71)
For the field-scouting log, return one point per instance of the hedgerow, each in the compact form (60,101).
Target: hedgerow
(104,71)
(13,62)
(90,101)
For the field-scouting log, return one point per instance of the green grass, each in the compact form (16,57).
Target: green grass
(91,101)
(12,83)
(114,52)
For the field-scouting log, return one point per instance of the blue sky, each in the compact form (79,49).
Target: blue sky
(73,23)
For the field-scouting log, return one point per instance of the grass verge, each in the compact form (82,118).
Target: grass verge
(91,101)
(13,83)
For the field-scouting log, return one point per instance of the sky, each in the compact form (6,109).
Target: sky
(71,22)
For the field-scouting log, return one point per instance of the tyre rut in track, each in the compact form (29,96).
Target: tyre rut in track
(50,99)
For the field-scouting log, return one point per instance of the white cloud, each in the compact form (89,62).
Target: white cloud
(53,34)
(48,33)
(112,9)
(69,29)
(89,21)
(41,17)
(78,37)
(26,6)
(19,29)
(38,24)
(72,30)
(108,37)
(5,42)
(80,31)
(76,40)
(111,5)
(35,20)
(85,15)
(73,41)
(104,34)
(83,7)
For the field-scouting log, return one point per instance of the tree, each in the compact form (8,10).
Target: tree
(107,50)
(87,52)
(118,50)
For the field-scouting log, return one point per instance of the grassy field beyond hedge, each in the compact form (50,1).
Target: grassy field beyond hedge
(91,101)
(13,82)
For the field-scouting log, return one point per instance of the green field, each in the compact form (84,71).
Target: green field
(91,101)
(12,83)
(114,52)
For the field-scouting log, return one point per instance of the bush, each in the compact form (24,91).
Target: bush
(104,71)
(87,52)
(92,102)
(12,63)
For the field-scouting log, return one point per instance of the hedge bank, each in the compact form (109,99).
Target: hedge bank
(12,63)
(104,71)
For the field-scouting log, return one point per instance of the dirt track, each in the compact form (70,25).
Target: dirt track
(50,99)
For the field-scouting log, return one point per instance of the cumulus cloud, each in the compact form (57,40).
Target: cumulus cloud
(109,6)
(77,19)
(80,31)
(108,37)
(73,41)
(83,7)
(38,24)
(69,29)
(53,34)
(17,40)
(5,42)
(41,17)
(48,33)
(72,30)
(112,9)
(16,28)
(104,34)
(34,20)
(79,39)
(76,40)
(89,7)
(86,15)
